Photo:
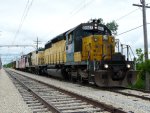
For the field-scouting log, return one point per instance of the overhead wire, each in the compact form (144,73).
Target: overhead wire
(76,10)
(25,13)
(85,4)
(21,21)
(127,14)
(130,30)
(81,2)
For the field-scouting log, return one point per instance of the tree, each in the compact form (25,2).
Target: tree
(101,21)
(113,26)
(141,64)
(140,56)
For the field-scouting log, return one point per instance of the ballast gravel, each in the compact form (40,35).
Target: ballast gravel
(10,99)
(127,103)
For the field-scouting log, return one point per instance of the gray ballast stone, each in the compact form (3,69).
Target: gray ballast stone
(10,99)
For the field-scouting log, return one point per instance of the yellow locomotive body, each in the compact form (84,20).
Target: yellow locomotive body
(40,58)
(97,47)
(56,53)
(34,59)
(46,55)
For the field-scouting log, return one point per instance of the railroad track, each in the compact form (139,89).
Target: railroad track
(35,104)
(138,93)
(145,95)
(42,97)
(142,94)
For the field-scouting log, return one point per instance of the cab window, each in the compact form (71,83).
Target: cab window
(70,38)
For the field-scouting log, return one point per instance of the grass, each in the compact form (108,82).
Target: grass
(140,83)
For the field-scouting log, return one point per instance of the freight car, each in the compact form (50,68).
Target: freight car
(85,53)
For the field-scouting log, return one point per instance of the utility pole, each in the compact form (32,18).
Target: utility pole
(37,42)
(145,39)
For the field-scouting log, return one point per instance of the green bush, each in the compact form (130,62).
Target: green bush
(140,83)
(143,67)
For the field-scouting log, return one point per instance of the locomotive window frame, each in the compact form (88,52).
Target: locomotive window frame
(70,38)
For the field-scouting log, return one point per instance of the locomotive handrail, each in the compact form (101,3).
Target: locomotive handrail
(124,46)
(128,50)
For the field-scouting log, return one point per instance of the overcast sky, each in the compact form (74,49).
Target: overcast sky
(48,18)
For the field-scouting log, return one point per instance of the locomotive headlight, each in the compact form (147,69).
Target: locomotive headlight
(106,66)
(95,26)
(105,37)
(128,65)
(95,39)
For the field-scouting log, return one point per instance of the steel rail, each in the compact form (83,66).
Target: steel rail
(102,105)
(115,90)
(48,105)
(129,94)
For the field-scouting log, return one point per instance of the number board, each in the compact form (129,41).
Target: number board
(91,27)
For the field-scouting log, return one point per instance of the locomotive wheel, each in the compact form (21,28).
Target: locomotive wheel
(101,79)
(81,80)
(37,72)
(73,79)
(84,81)
(65,74)
(40,73)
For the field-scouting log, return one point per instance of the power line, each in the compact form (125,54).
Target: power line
(80,8)
(25,13)
(81,2)
(21,22)
(16,46)
(9,54)
(127,14)
(131,29)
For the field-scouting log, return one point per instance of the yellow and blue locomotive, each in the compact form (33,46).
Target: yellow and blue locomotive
(85,53)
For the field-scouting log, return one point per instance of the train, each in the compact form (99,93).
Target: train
(86,53)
